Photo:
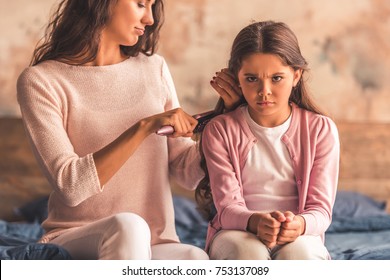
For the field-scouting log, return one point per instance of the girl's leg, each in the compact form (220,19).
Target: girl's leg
(124,236)
(237,245)
(305,247)
(177,251)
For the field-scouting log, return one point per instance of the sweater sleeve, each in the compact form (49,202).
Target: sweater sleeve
(224,176)
(184,157)
(73,177)
(323,178)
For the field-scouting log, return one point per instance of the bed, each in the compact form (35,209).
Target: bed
(360,230)
(360,227)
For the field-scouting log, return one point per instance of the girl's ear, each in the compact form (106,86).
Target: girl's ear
(297,76)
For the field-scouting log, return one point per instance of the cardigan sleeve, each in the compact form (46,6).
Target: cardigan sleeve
(224,171)
(74,178)
(323,178)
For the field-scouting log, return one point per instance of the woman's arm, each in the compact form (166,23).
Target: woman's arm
(110,159)
(78,176)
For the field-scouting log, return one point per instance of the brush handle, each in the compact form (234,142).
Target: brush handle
(203,119)
(165,130)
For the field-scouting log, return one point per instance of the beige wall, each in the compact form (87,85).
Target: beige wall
(345,42)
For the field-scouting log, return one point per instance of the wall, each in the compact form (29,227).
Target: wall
(345,42)
(348,56)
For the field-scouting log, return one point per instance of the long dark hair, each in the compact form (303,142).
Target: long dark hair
(260,37)
(73,33)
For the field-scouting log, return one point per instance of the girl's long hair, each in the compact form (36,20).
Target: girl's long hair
(260,37)
(73,33)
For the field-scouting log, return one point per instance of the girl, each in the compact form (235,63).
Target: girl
(91,103)
(273,162)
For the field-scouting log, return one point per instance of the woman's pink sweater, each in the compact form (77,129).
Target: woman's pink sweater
(70,112)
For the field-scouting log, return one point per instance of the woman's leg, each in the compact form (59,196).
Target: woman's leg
(124,236)
(177,251)
(305,247)
(237,245)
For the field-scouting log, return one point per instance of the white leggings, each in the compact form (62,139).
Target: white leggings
(123,236)
(242,245)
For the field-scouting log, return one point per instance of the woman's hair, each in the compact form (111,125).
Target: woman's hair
(73,33)
(261,37)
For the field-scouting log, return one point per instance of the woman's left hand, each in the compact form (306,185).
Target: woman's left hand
(291,229)
(226,86)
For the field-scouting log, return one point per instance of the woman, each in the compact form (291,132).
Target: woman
(91,103)
(273,162)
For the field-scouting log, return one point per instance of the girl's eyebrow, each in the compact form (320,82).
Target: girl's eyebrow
(277,73)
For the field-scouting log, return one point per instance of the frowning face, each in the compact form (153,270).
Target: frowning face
(266,84)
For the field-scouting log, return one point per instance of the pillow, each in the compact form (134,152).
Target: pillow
(353,204)
(34,211)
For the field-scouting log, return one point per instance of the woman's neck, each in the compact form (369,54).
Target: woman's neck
(108,56)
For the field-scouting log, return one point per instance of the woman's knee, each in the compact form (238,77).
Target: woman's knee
(127,237)
(129,222)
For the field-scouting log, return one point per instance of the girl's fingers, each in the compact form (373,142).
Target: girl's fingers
(279,216)
(289,216)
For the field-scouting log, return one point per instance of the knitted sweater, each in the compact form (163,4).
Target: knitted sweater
(70,112)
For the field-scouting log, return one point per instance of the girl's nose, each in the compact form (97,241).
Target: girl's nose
(264,89)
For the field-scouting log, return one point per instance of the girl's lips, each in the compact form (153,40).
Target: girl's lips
(265,103)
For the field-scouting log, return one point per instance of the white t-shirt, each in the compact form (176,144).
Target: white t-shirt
(268,176)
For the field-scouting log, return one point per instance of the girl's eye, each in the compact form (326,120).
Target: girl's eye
(277,78)
(141,5)
(251,79)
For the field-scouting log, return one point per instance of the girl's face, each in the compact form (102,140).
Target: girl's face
(128,21)
(266,84)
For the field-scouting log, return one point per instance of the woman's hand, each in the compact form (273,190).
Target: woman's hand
(182,123)
(225,85)
(291,229)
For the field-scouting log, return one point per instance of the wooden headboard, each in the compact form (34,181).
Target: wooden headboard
(365,159)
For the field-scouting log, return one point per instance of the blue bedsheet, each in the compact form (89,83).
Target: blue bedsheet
(18,242)
(360,230)
(359,238)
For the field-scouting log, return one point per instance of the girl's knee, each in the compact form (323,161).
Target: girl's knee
(238,245)
(303,248)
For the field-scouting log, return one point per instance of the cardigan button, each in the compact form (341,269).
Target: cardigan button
(299,182)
